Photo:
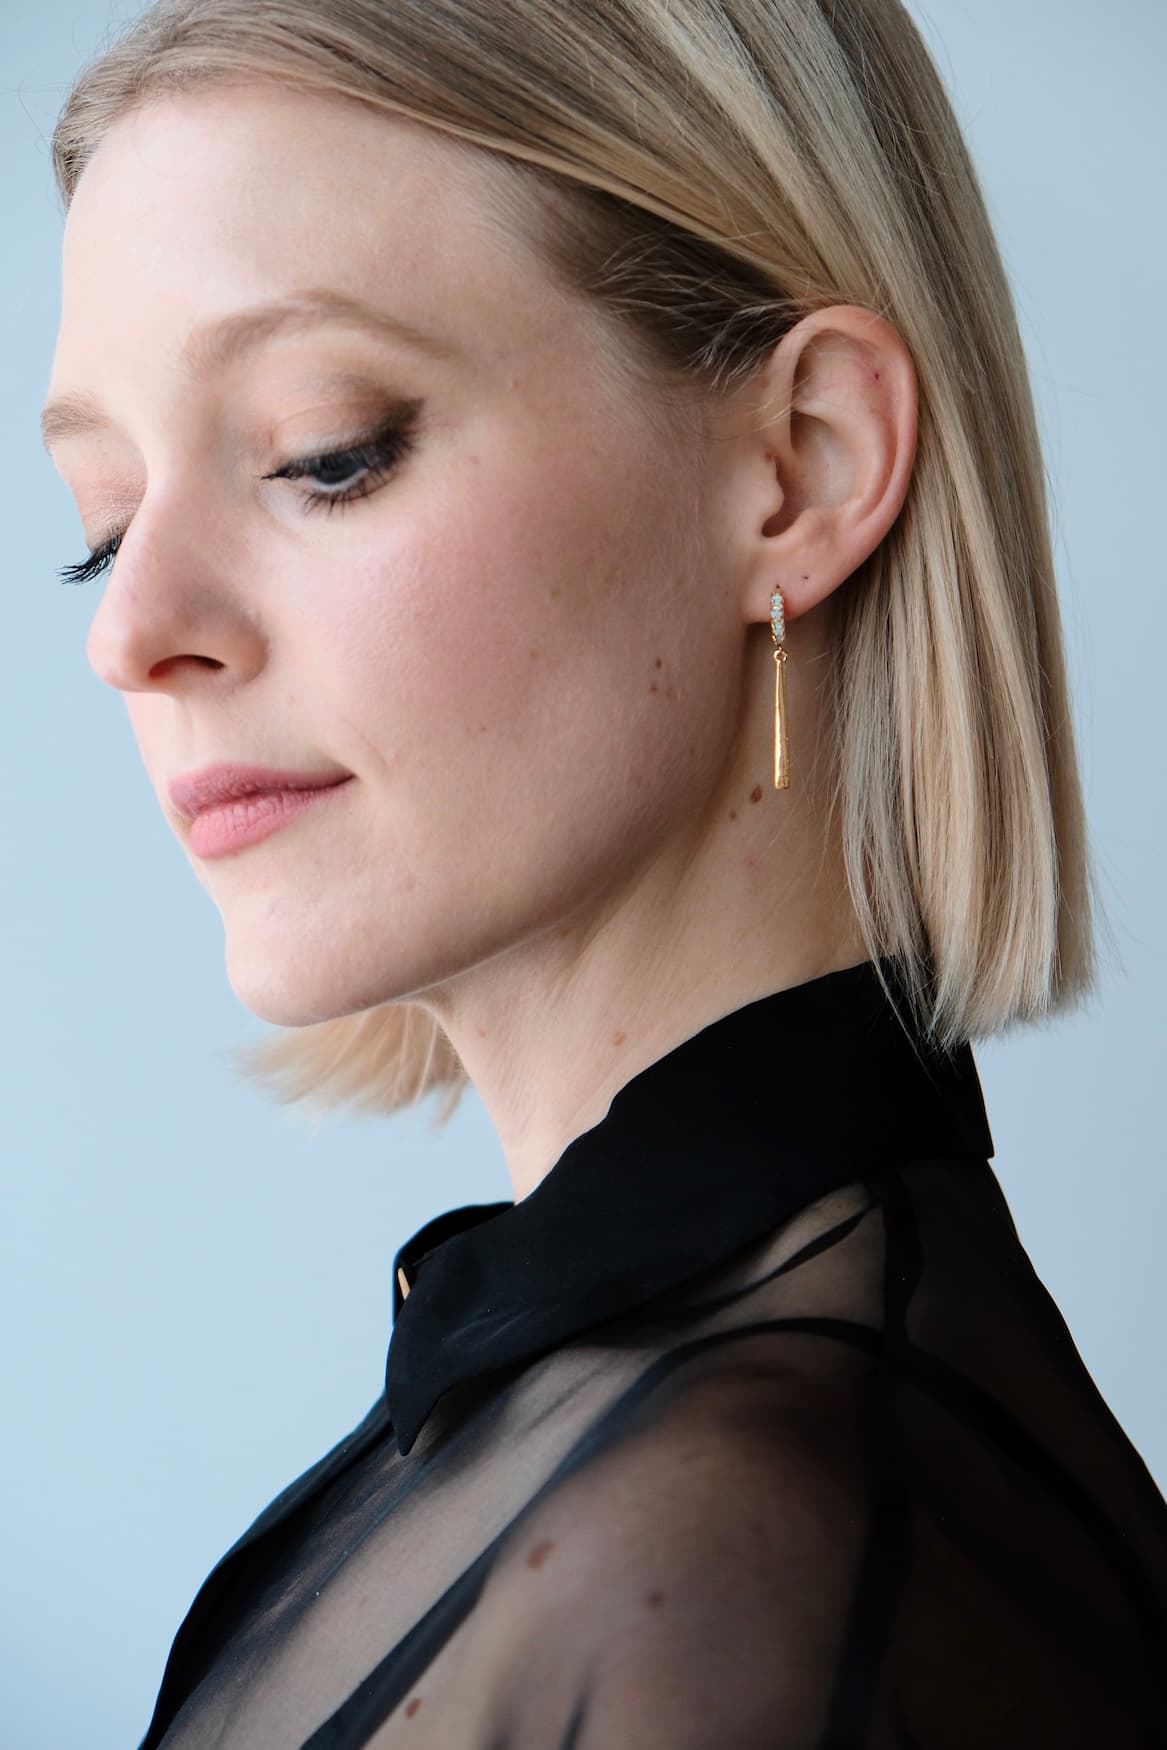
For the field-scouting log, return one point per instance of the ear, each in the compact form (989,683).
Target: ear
(823,445)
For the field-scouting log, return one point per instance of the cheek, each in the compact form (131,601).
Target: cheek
(513,670)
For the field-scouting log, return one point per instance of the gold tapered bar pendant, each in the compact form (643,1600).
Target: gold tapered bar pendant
(781,760)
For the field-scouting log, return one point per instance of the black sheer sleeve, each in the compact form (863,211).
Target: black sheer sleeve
(888,1509)
(872,1498)
(853,1488)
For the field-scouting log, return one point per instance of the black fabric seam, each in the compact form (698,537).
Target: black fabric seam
(886,1558)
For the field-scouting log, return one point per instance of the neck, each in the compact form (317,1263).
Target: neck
(749,900)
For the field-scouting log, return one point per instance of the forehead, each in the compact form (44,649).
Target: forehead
(204,203)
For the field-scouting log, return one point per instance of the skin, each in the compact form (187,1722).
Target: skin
(541,644)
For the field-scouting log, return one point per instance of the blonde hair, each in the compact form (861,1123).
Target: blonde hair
(708,174)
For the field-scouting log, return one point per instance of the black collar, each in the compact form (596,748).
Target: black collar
(707,1149)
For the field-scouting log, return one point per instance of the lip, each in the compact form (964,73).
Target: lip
(212,786)
(245,820)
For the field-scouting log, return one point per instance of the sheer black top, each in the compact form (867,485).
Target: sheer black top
(750,1428)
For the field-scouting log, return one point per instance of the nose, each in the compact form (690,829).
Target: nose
(171,615)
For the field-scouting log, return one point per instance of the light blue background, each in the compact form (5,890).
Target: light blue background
(195,1295)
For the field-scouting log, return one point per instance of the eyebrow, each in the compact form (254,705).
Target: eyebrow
(215,345)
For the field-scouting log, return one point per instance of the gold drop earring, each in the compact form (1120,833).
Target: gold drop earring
(778,631)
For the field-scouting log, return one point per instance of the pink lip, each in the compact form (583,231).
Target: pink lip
(227,782)
(245,820)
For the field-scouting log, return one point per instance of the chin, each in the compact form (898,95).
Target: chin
(297,981)
(298,988)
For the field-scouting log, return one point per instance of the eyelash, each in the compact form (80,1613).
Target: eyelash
(377,456)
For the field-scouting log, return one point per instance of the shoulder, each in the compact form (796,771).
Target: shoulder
(689,1588)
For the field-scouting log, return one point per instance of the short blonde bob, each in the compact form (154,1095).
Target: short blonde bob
(709,172)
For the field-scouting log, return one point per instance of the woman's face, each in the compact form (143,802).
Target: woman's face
(508,639)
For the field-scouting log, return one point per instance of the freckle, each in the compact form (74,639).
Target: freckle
(411,1707)
(658,662)
(540,1552)
(805,578)
(556,592)
(733,814)
(756,793)
(654,1600)
(653,687)
(533,653)
(619,1038)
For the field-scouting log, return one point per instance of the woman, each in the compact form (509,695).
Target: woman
(671,738)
